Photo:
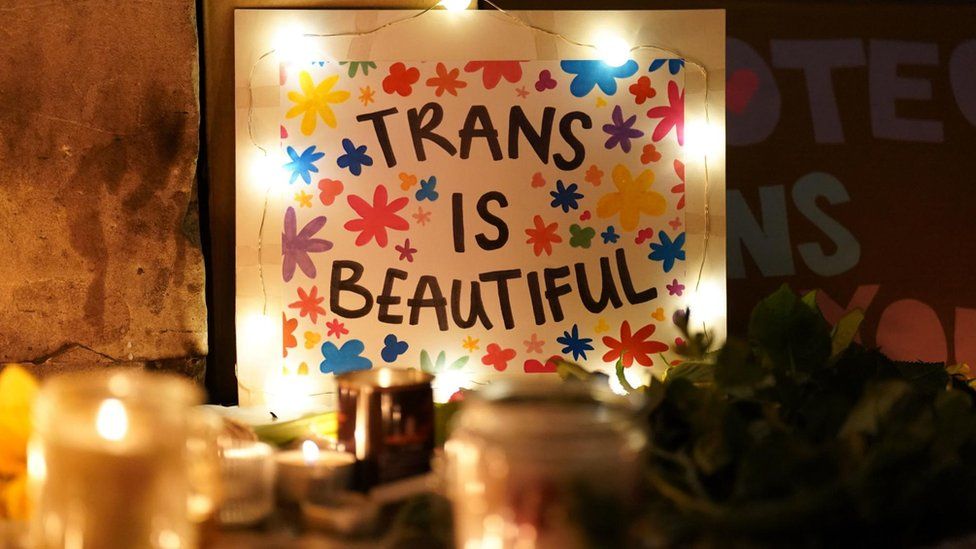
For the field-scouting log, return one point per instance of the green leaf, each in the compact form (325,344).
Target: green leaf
(844,331)
(459,363)
(737,371)
(441,361)
(810,300)
(693,371)
(622,378)
(425,363)
(570,370)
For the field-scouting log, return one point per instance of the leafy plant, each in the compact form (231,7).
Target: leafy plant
(799,436)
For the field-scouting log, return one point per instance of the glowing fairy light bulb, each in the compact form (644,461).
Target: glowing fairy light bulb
(291,45)
(310,452)
(612,49)
(703,139)
(706,305)
(455,5)
(112,421)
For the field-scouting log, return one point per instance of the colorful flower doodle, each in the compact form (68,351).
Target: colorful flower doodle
(642,90)
(621,131)
(446,81)
(675,288)
(565,197)
(497,357)
(376,218)
(427,190)
(545,81)
(406,251)
(296,245)
(492,72)
(393,348)
(633,347)
(595,73)
(679,170)
(650,154)
(339,360)
(533,344)
(329,189)
(632,198)
(668,251)
(336,328)
(309,304)
(671,115)
(354,158)
(303,165)
(674,65)
(401,79)
(594,175)
(610,236)
(542,236)
(288,339)
(573,343)
(357,66)
(581,237)
(314,101)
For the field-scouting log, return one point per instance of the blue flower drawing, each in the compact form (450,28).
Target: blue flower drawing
(427,190)
(565,197)
(354,158)
(392,348)
(339,360)
(303,165)
(668,250)
(610,236)
(674,65)
(591,73)
(575,344)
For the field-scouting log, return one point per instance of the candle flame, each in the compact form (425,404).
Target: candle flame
(310,452)
(112,421)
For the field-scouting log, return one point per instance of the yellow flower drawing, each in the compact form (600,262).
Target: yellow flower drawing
(315,100)
(17,390)
(632,198)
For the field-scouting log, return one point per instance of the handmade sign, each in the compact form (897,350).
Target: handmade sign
(484,215)
(480,218)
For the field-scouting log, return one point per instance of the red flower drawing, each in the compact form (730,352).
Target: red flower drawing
(336,328)
(542,236)
(288,339)
(493,71)
(401,79)
(672,115)
(375,218)
(642,90)
(631,347)
(309,304)
(446,81)
(498,357)
(679,169)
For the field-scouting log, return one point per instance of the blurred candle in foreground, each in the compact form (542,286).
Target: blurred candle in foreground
(113,461)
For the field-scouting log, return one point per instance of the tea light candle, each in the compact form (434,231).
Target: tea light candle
(311,471)
(247,472)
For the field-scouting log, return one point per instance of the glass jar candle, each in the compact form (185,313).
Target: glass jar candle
(120,459)
(523,458)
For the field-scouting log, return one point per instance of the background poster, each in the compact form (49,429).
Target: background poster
(851,132)
(481,217)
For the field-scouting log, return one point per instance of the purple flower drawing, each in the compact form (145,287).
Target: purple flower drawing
(621,131)
(296,245)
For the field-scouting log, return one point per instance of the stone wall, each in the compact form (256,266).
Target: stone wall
(100,258)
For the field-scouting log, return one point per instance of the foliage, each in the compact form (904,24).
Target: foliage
(800,436)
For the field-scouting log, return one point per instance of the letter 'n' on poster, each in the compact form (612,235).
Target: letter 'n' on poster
(460,193)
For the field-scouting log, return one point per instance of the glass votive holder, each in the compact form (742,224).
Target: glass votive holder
(247,472)
(310,472)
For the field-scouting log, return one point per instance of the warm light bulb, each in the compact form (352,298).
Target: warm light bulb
(703,139)
(291,45)
(612,49)
(266,171)
(310,452)
(636,377)
(112,421)
(447,383)
(706,306)
(455,5)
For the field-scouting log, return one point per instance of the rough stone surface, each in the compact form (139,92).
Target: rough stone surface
(99,235)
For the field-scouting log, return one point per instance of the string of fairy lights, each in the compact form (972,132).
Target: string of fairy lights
(612,49)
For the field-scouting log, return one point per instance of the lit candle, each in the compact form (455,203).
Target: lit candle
(109,462)
(247,474)
(311,471)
